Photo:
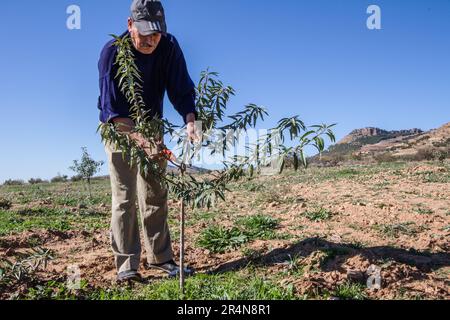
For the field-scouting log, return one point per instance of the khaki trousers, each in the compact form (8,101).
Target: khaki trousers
(126,184)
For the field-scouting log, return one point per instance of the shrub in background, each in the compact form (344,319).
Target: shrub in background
(59,178)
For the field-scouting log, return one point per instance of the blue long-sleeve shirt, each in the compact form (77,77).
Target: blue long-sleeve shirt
(163,70)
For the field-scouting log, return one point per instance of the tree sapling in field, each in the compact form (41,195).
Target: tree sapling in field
(86,168)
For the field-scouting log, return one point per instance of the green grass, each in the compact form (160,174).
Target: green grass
(264,198)
(26,193)
(49,219)
(395,230)
(12,222)
(240,285)
(200,215)
(382,185)
(259,227)
(77,199)
(24,267)
(69,193)
(59,217)
(294,266)
(346,173)
(316,175)
(433,177)
(318,215)
(229,286)
(67,200)
(250,186)
(423,210)
(350,291)
(219,239)
(321,175)
(54,290)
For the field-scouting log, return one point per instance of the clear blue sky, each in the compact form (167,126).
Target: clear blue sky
(314,58)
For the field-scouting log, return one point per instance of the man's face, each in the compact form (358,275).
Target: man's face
(143,44)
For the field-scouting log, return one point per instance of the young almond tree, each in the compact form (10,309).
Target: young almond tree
(86,168)
(220,134)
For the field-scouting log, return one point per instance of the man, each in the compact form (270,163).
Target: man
(163,68)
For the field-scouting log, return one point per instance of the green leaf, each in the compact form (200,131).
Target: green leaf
(303,159)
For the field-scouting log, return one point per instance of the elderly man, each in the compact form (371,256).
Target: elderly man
(163,68)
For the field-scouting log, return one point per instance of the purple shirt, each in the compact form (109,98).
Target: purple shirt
(164,69)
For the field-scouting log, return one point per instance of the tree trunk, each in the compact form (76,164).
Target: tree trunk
(89,188)
(182,217)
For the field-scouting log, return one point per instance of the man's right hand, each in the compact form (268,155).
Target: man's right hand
(126,125)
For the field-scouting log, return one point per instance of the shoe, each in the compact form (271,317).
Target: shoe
(129,276)
(171,268)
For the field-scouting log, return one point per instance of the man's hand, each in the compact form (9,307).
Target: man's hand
(126,125)
(190,119)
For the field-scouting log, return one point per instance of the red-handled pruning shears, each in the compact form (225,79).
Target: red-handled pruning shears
(168,155)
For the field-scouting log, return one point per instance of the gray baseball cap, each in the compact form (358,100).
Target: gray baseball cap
(148,16)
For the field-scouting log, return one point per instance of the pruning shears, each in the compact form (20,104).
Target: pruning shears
(168,155)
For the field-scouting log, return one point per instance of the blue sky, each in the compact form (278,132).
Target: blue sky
(312,58)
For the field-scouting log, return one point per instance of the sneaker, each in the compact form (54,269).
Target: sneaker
(171,268)
(129,276)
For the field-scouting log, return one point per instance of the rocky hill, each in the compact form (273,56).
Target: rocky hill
(356,135)
(374,142)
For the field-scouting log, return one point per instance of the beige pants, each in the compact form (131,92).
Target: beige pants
(126,184)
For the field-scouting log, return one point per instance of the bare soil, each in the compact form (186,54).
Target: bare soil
(390,218)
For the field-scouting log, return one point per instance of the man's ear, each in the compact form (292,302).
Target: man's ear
(130,24)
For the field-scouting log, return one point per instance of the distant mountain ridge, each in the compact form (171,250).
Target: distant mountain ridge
(377,132)
(372,142)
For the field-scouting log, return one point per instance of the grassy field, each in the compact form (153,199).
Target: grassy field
(307,235)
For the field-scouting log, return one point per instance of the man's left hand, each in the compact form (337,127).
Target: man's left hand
(191,128)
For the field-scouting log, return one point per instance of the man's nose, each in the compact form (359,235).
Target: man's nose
(149,40)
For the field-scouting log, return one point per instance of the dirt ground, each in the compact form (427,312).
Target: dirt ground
(396,218)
